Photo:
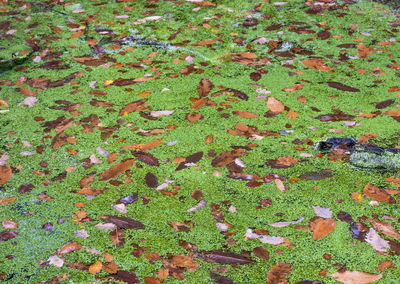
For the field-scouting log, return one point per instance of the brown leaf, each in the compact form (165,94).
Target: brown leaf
(355,277)
(224,257)
(384,228)
(393,180)
(123,222)
(117,237)
(117,169)
(151,180)
(245,114)
(363,51)
(133,106)
(323,174)
(110,267)
(6,235)
(69,247)
(378,194)
(125,276)
(226,157)
(337,115)
(321,227)
(192,117)
(7,200)
(275,105)
(342,87)
(294,88)
(184,261)
(385,264)
(27,92)
(5,174)
(261,252)
(238,94)
(278,272)
(180,227)
(86,181)
(219,279)
(204,87)
(316,64)
(144,147)
(147,158)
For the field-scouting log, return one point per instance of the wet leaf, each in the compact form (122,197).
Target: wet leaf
(123,222)
(316,64)
(220,279)
(117,169)
(146,158)
(95,267)
(204,88)
(378,194)
(321,227)
(342,87)
(5,174)
(69,247)
(133,106)
(322,212)
(226,157)
(316,175)
(184,261)
(278,273)
(151,180)
(128,199)
(261,252)
(224,257)
(350,277)
(7,235)
(384,228)
(275,105)
(117,237)
(125,276)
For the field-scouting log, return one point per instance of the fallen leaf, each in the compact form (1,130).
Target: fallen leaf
(184,261)
(385,264)
(28,102)
(133,106)
(125,276)
(180,227)
(226,157)
(321,227)
(219,279)
(192,117)
(146,158)
(376,241)
(275,105)
(294,88)
(261,252)
(224,257)
(117,169)
(322,212)
(69,247)
(342,87)
(384,228)
(9,224)
(95,267)
(323,174)
(245,114)
(355,277)
(378,194)
(204,87)
(151,180)
(161,113)
(117,237)
(123,222)
(278,273)
(316,64)
(5,174)
(363,51)
(287,223)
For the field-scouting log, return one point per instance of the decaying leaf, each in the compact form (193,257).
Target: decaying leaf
(377,242)
(226,157)
(355,277)
(275,105)
(384,228)
(378,194)
(278,273)
(117,169)
(146,158)
(123,222)
(224,257)
(204,87)
(321,227)
(5,174)
(184,261)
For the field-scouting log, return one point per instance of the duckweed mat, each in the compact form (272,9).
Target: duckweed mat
(175,141)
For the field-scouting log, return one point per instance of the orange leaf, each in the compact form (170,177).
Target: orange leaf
(316,64)
(209,139)
(294,88)
(7,200)
(192,117)
(204,42)
(274,105)
(378,194)
(321,227)
(245,114)
(184,261)
(27,92)
(385,264)
(393,180)
(76,34)
(73,246)
(5,174)
(357,197)
(205,3)
(144,147)
(95,267)
(117,169)
(292,114)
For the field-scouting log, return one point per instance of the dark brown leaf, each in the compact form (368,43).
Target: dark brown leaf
(238,94)
(316,175)
(220,279)
(226,157)
(125,276)
(117,169)
(261,252)
(133,106)
(151,180)
(123,222)
(224,257)
(342,87)
(204,87)
(6,235)
(146,158)
(194,158)
(384,104)
(337,115)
